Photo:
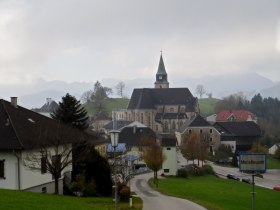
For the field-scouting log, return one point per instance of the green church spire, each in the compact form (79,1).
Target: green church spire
(161,67)
(161,76)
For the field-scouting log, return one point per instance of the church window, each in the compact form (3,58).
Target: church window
(166,125)
(173,125)
(149,119)
(182,109)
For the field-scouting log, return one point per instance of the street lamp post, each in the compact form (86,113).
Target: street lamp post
(114,141)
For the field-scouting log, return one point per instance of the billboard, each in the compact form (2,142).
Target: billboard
(252,163)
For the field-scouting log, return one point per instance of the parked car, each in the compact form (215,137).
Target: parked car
(246,180)
(231,176)
(277,188)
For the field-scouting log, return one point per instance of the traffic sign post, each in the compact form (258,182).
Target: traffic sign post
(252,163)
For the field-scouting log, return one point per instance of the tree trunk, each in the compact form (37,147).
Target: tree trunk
(156,179)
(56,190)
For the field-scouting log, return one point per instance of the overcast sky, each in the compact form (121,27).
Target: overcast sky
(89,40)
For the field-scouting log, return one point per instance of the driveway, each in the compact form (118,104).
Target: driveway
(153,200)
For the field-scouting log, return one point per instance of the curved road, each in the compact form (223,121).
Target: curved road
(153,200)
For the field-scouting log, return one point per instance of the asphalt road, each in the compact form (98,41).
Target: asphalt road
(153,200)
(270,179)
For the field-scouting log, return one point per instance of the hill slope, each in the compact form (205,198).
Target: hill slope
(206,105)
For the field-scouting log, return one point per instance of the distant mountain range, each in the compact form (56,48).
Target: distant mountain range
(34,95)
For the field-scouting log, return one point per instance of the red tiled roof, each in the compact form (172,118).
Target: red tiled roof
(239,115)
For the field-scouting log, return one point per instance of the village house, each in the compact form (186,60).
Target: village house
(24,134)
(232,115)
(204,129)
(169,150)
(240,136)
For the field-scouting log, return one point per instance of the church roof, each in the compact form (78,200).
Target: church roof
(148,98)
(161,68)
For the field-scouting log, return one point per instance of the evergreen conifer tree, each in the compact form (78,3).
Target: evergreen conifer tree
(70,111)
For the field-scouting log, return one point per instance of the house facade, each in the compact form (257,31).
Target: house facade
(239,135)
(26,137)
(204,130)
(161,108)
(169,149)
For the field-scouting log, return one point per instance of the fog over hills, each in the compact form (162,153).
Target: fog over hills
(34,95)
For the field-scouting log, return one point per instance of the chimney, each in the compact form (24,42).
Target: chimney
(14,101)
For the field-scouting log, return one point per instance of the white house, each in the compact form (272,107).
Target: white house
(24,134)
(169,165)
(273,149)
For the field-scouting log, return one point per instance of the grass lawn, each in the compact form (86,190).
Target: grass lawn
(219,194)
(110,104)
(10,199)
(272,163)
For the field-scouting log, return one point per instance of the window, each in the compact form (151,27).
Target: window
(141,117)
(44,189)
(166,125)
(2,169)
(211,131)
(211,148)
(166,170)
(190,131)
(200,131)
(173,125)
(43,165)
(211,139)
(168,148)
(171,110)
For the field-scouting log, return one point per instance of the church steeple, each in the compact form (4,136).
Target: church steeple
(161,76)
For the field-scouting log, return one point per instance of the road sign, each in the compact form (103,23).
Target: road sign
(253,163)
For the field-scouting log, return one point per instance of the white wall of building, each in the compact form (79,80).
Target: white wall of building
(19,174)
(170,163)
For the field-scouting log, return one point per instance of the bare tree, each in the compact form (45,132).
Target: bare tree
(53,154)
(190,147)
(200,90)
(86,96)
(120,89)
(153,157)
(53,159)
(203,146)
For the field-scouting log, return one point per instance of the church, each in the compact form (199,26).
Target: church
(161,108)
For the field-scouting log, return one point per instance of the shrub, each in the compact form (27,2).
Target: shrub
(207,169)
(89,189)
(182,173)
(124,194)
